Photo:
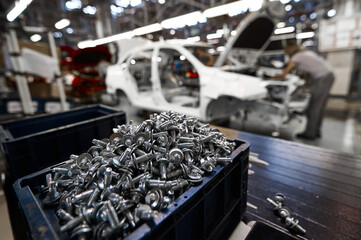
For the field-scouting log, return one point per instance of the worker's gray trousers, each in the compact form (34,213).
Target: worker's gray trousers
(319,90)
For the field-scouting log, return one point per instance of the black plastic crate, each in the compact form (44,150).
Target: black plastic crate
(211,210)
(34,143)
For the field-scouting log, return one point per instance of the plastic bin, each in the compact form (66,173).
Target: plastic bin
(210,210)
(35,143)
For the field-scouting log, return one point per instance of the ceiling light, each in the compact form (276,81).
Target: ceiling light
(285,1)
(73,4)
(101,41)
(115,11)
(291,19)
(35,38)
(284,30)
(147,29)
(189,19)
(305,35)
(91,10)
(161,1)
(281,25)
(233,8)
(57,34)
(19,7)
(313,15)
(172,32)
(214,36)
(69,30)
(182,57)
(62,23)
(194,39)
(288,7)
(331,13)
(122,3)
(303,17)
(86,44)
(234,32)
(135,3)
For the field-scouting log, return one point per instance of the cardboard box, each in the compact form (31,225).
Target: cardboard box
(44,90)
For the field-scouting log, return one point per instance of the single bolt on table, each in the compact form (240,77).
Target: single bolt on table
(322,187)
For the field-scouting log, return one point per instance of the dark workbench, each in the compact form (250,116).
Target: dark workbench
(323,187)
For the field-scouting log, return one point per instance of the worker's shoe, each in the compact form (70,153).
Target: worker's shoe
(305,136)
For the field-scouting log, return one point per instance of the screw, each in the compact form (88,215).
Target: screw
(72,224)
(53,196)
(112,215)
(63,215)
(163,162)
(292,224)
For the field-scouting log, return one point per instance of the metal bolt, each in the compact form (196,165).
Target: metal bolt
(63,215)
(53,196)
(102,192)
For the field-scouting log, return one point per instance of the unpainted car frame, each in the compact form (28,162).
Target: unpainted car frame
(220,93)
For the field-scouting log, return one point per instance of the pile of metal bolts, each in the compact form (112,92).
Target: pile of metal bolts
(126,179)
(285,214)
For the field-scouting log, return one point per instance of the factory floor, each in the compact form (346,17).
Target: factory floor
(341,131)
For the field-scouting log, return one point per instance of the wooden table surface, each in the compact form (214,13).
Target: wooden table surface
(322,187)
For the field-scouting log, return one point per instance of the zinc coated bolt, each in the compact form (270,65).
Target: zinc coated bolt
(133,174)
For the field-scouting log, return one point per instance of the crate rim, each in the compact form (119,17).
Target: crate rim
(163,215)
(116,112)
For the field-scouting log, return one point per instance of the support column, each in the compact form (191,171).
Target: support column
(64,105)
(21,83)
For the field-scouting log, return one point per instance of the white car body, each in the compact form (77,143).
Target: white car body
(218,93)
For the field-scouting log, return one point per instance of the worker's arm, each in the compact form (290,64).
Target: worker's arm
(287,70)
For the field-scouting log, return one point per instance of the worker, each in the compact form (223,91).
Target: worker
(322,78)
(206,58)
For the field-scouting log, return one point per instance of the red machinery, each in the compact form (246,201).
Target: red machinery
(81,70)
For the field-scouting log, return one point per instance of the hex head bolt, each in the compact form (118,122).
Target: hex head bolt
(72,223)
(292,224)
(186,139)
(82,196)
(124,155)
(64,215)
(154,198)
(100,143)
(180,184)
(111,214)
(130,217)
(165,125)
(53,196)
(94,151)
(175,156)
(93,197)
(175,174)
(208,138)
(185,145)
(82,232)
(163,162)
(107,177)
(83,160)
(159,149)
(144,212)
(144,158)
(61,170)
